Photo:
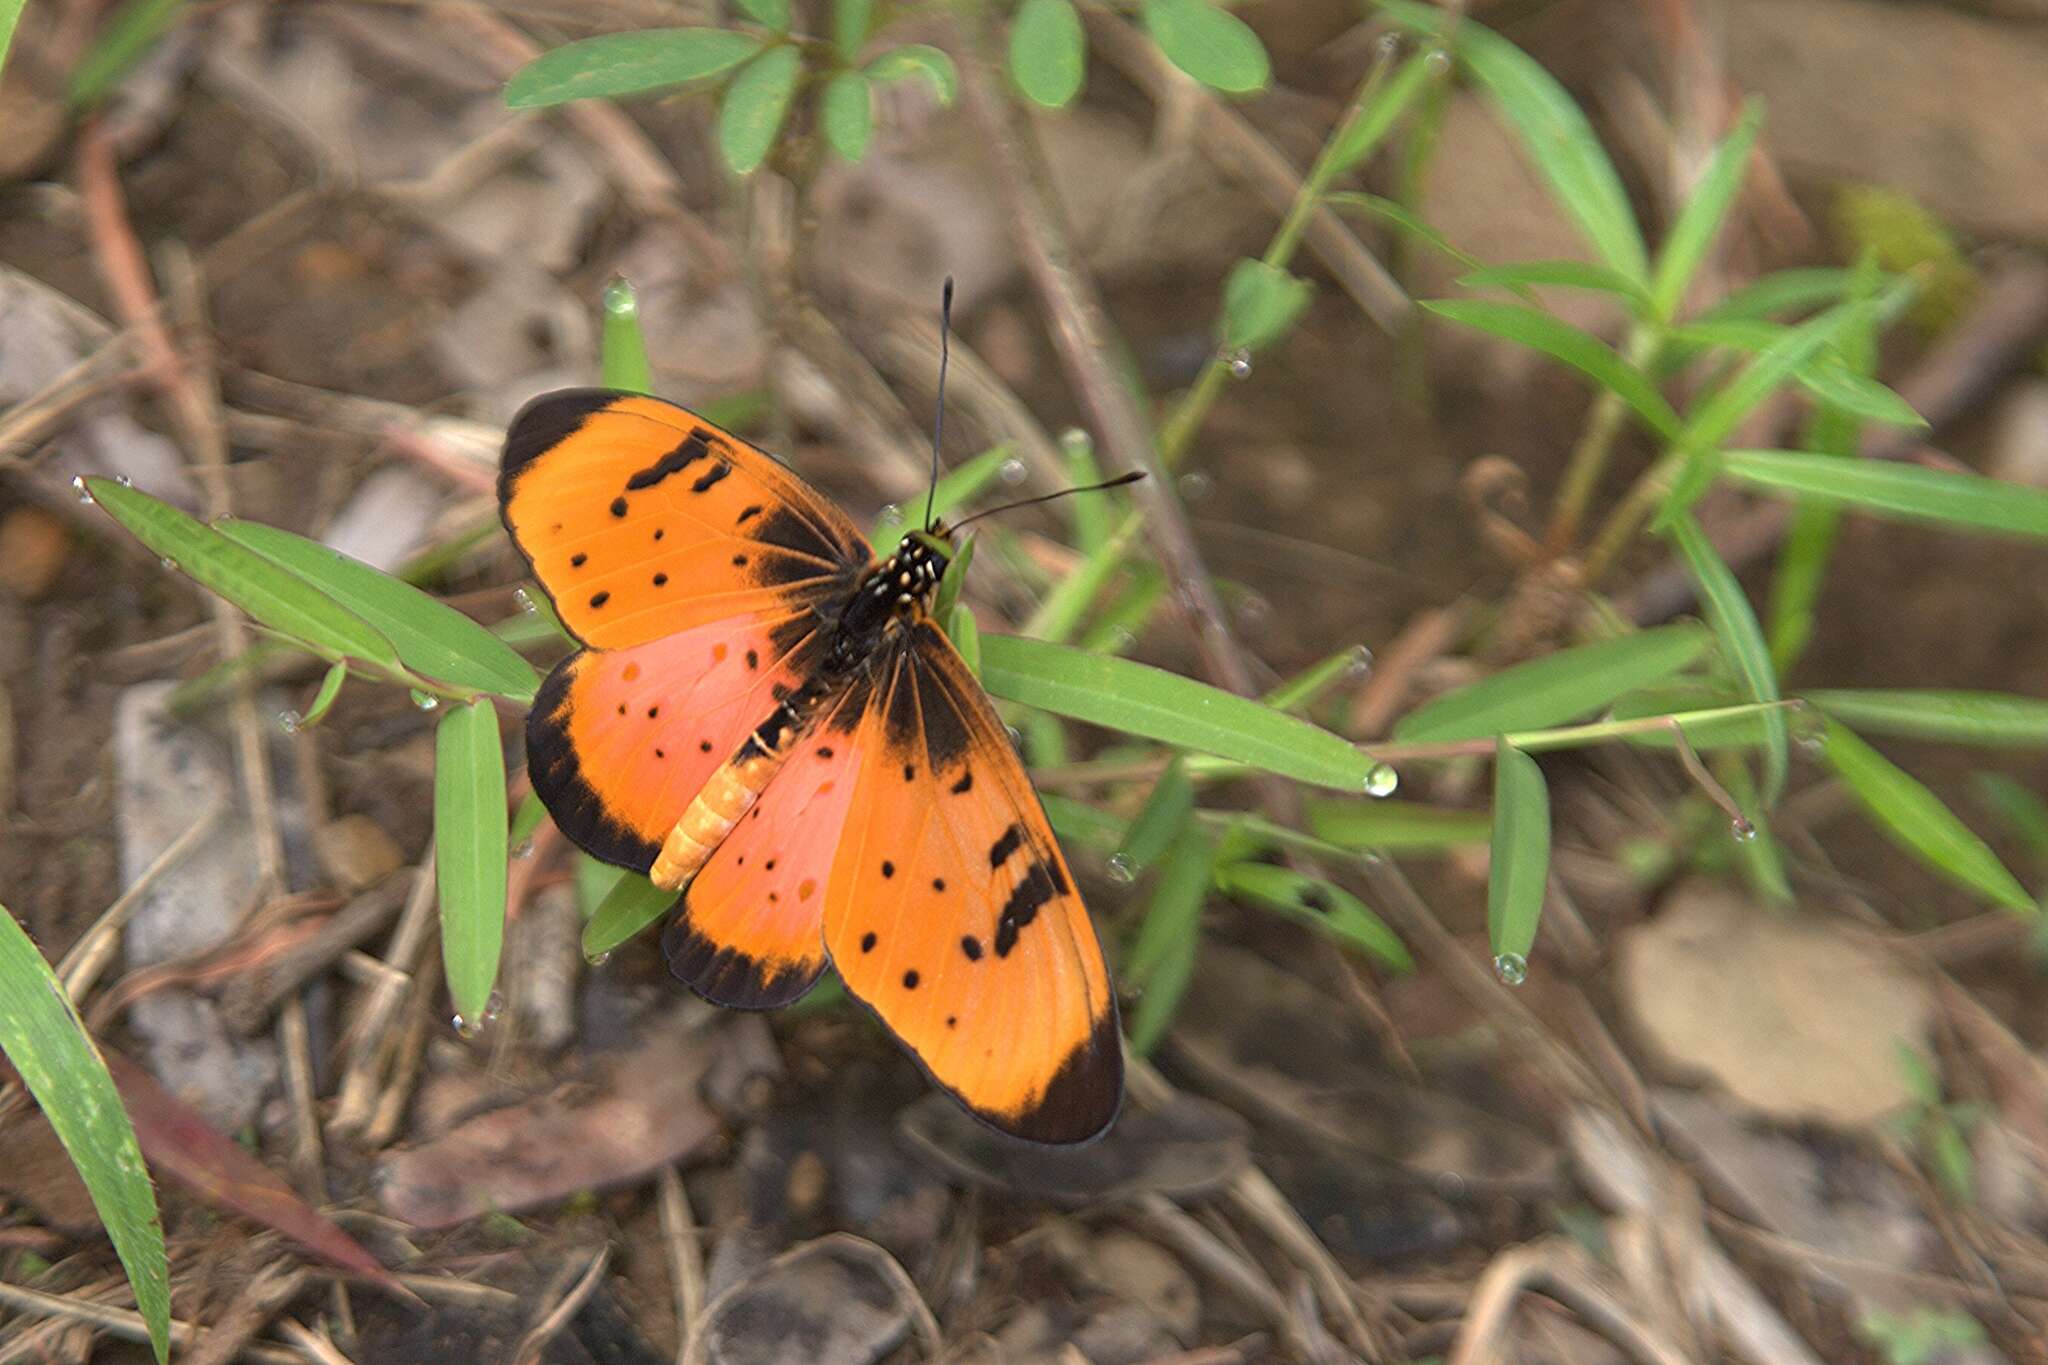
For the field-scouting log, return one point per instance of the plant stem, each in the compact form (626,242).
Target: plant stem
(1622,523)
(1595,446)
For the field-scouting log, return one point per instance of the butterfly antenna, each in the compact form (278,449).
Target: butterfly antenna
(1118,482)
(939,421)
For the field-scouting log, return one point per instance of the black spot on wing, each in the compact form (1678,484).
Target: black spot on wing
(1012,839)
(1084,1095)
(542,425)
(691,450)
(1031,894)
(785,529)
(578,809)
(726,976)
(964,785)
(710,477)
(971,946)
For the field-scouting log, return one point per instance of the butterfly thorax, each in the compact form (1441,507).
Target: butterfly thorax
(891,590)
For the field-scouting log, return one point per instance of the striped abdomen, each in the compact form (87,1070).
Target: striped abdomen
(732,791)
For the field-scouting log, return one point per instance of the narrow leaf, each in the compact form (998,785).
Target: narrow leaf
(431,637)
(1397,216)
(1077,822)
(1569,274)
(1323,906)
(1742,640)
(1886,488)
(615,64)
(1361,135)
(41,1033)
(1918,822)
(754,106)
(632,904)
(330,688)
(847,110)
(271,595)
(125,40)
(623,351)
(1307,687)
(1699,222)
(1716,415)
(1260,302)
(1395,826)
(1165,814)
(1048,52)
(1583,351)
(1163,958)
(525,820)
(918,59)
(1520,866)
(469,852)
(1209,43)
(1155,704)
(2023,812)
(956,487)
(1560,687)
(1997,720)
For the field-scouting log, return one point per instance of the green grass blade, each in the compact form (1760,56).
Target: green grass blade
(41,1033)
(1395,826)
(1159,823)
(1969,502)
(470,830)
(1520,866)
(1795,587)
(1358,137)
(956,487)
(1307,687)
(1155,704)
(2023,812)
(1734,624)
(330,688)
(1699,222)
(755,103)
(1600,279)
(273,596)
(631,905)
(1077,822)
(1560,687)
(125,40)
(1917,821)
(1710,718)
(1555,133)
(431,637)
(623,349)
(1997,720)
(1163,958)
(525,821)
(1327,908)
(1714,416)
(615,64)
(1784,291)
(1398,216)
(1584,352)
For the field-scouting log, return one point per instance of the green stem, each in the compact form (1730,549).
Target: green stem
(1627,517)
(1594,448)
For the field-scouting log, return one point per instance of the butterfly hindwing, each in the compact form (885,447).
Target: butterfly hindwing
(952,914)
(640,519)
(750,929)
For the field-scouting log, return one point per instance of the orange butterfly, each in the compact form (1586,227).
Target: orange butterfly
(765,717)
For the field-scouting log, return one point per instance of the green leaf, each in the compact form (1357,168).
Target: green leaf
(1699,222)
(1163,958)
(954,577)
(1077,822)
(1713,417)
(755,103)
(1917,821)
(1360,136)
(532,810)
(1520,866)
(431,637)
(41,1033)
(470,851)
(960,628)
(1090,515)
(1569,274)
(769,14)
(1209,43)
(1307,687)
(1784,291)
(847,110)
(852,21)
(1708,717)
(615,64)
(271,595)
(330,688)
(1556,135)
(918,59)
(623,353)
(1742,641)
(956,487)
(1397,216)
(1858,395)
(1997,720)
(1048,52)
(2023,812)
(1395,826)
(1795,586)
(1165,814)
(125,40)
(632,904)
(1886,488)
(1323,906)
(1560,687)
(1583,351)
(1260,302)
(1155,704)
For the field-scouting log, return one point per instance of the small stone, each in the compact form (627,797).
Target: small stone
(355,851)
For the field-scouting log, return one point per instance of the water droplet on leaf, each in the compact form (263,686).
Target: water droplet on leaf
(1359,666)
(598,959)
(1074,440)
(1511,968)
(1240,363)
(494,1006)
(426,701)
(464,1028)
(291,722)
(1744,831)
(169,563)
(78,487)
(1195,486)
(1120,870)
(124,481)
(1012,471)
(1381,780)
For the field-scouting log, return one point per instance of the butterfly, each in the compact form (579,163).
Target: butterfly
(764,717)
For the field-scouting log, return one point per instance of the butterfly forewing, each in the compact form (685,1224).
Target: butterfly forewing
(952,914)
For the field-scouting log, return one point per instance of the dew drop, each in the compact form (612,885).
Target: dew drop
(1381,780)
(1121,640)
(524,849)
(494,1006)
(1511,968)
(1359,667)
(891,512)
(1743,830)
(465,1028)
(1253,608)
(1240,363)
(124,481)
(1438,61)
(1120,870)
(78,487)
(1389,46)
(1075,441)
(291,722)
(598,959)
(169,563)
(1195,485)
(525,601)
(1012,471)
(426,701)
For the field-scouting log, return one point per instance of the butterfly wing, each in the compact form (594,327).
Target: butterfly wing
(951,913)
(702,574)
(642,519)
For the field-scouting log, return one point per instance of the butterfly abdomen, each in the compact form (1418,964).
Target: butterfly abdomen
(732,790)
